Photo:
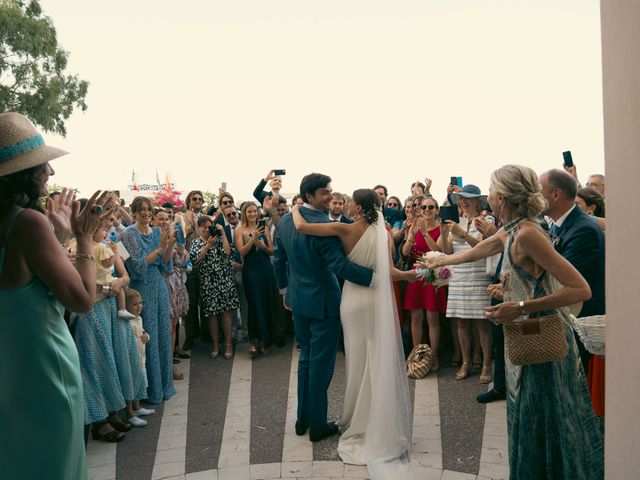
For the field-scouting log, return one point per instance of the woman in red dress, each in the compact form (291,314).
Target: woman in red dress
(422,238)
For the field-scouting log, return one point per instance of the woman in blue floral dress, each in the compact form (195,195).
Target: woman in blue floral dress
(150,261)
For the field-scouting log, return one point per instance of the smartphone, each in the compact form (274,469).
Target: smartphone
(568,159)
(279,172)
(262,223)
(223,186)
(213,231)
(449,213)
(456,181)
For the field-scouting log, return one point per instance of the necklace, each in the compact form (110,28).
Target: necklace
(509,226)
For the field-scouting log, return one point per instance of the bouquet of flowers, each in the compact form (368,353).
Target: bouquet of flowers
(438,276)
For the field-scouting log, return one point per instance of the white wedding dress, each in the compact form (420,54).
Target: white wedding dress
(376,421)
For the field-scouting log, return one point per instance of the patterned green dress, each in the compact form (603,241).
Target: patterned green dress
(553,432)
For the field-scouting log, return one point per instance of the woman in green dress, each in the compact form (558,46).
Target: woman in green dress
(553,432)
(41,402)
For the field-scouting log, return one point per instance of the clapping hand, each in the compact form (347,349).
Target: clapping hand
(495,290)
(59,211)
(485,228)
(504,313)
(84,223)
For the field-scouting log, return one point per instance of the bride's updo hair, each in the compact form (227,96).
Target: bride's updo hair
(370,203)
(521,188)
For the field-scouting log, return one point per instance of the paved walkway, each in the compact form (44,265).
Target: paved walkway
(234,420)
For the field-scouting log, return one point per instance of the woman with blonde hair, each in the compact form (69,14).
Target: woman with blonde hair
(553,432)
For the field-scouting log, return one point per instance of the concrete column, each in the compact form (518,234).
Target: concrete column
(621,83)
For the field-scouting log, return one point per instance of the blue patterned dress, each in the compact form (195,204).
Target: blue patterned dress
(93,334)
(553,432)
(125,350)
(149,281)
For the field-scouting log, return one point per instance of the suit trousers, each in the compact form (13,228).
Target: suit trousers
(192,322)
(318,339)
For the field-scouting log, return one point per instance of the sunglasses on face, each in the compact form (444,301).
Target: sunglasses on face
(391,204)
(231,214)
(425,207)
(227,202)
(197,199)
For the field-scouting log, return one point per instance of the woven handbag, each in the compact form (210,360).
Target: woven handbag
(536,340)
(419,361)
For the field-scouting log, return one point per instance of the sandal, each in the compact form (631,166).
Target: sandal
(252,350)
(177,374)
(484,379)
(215,352)
(228,351)
(455,361)
(463,372)
(112,436)
(117,423)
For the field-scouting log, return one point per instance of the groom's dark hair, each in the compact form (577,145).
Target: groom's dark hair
(312,182)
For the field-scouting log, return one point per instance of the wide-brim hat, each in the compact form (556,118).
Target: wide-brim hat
(468,191)
(21,146)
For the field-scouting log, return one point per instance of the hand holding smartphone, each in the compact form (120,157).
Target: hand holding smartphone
(568,159)
(279,172)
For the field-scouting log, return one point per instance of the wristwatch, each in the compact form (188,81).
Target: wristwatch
(523,312)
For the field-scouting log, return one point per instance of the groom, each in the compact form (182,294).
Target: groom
(305,268)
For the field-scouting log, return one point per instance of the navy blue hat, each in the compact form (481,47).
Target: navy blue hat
(468,191)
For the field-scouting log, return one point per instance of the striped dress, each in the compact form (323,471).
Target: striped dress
(468,286)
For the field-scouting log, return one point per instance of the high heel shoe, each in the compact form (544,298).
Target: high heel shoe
(228,351)
(252,350)
(484,379)
(463,372)
(215,352)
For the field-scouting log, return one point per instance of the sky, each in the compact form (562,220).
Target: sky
(366,91)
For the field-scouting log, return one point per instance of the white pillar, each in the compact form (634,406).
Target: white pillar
(621,84)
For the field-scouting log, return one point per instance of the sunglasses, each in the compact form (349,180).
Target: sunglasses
(197,199)
(392,204)
(231,214)
(425,207)
(227,202)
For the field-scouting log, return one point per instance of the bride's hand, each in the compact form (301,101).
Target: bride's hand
(431,263)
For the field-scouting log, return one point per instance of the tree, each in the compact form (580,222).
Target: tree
(32,68)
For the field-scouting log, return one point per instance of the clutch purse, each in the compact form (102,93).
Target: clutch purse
(419,361)
(536,340)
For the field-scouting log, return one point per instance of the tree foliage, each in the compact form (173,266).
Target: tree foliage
(32,68)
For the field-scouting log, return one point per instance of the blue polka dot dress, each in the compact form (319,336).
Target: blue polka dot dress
(149,280)
(93,334)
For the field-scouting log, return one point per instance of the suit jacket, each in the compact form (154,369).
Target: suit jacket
(581,241)
(343,219)
(234,251)
(308,266)
(259,193)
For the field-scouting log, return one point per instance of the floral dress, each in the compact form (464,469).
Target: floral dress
(218,291)
(178,296)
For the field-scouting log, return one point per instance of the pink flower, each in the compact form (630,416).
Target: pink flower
(444,274)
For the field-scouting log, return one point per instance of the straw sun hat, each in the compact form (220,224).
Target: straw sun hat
(21,146)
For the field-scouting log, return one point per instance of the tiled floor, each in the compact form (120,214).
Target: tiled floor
(297,460)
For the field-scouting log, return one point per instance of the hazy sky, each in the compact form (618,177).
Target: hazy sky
(367,91)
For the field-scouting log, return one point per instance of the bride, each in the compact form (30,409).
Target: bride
(377,418)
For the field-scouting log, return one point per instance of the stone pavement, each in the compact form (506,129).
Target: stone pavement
(234,419)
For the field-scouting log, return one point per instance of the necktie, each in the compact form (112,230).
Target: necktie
(554,230)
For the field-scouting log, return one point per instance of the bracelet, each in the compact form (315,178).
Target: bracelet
(85,255)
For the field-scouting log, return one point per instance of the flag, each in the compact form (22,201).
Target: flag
(158,178)
(167,183)
(133,180)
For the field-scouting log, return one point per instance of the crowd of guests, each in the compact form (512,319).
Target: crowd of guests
(129,276)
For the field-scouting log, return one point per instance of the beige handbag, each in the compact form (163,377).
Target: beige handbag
(419,361)
(536,340)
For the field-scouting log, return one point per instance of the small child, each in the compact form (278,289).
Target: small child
(134,307)
(105,257)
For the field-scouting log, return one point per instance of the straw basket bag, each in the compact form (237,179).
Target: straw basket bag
(419,361)
(536,340)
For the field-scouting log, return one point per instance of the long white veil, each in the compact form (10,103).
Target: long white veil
(388,437)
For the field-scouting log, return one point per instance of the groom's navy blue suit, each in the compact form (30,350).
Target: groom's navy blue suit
(307,267)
